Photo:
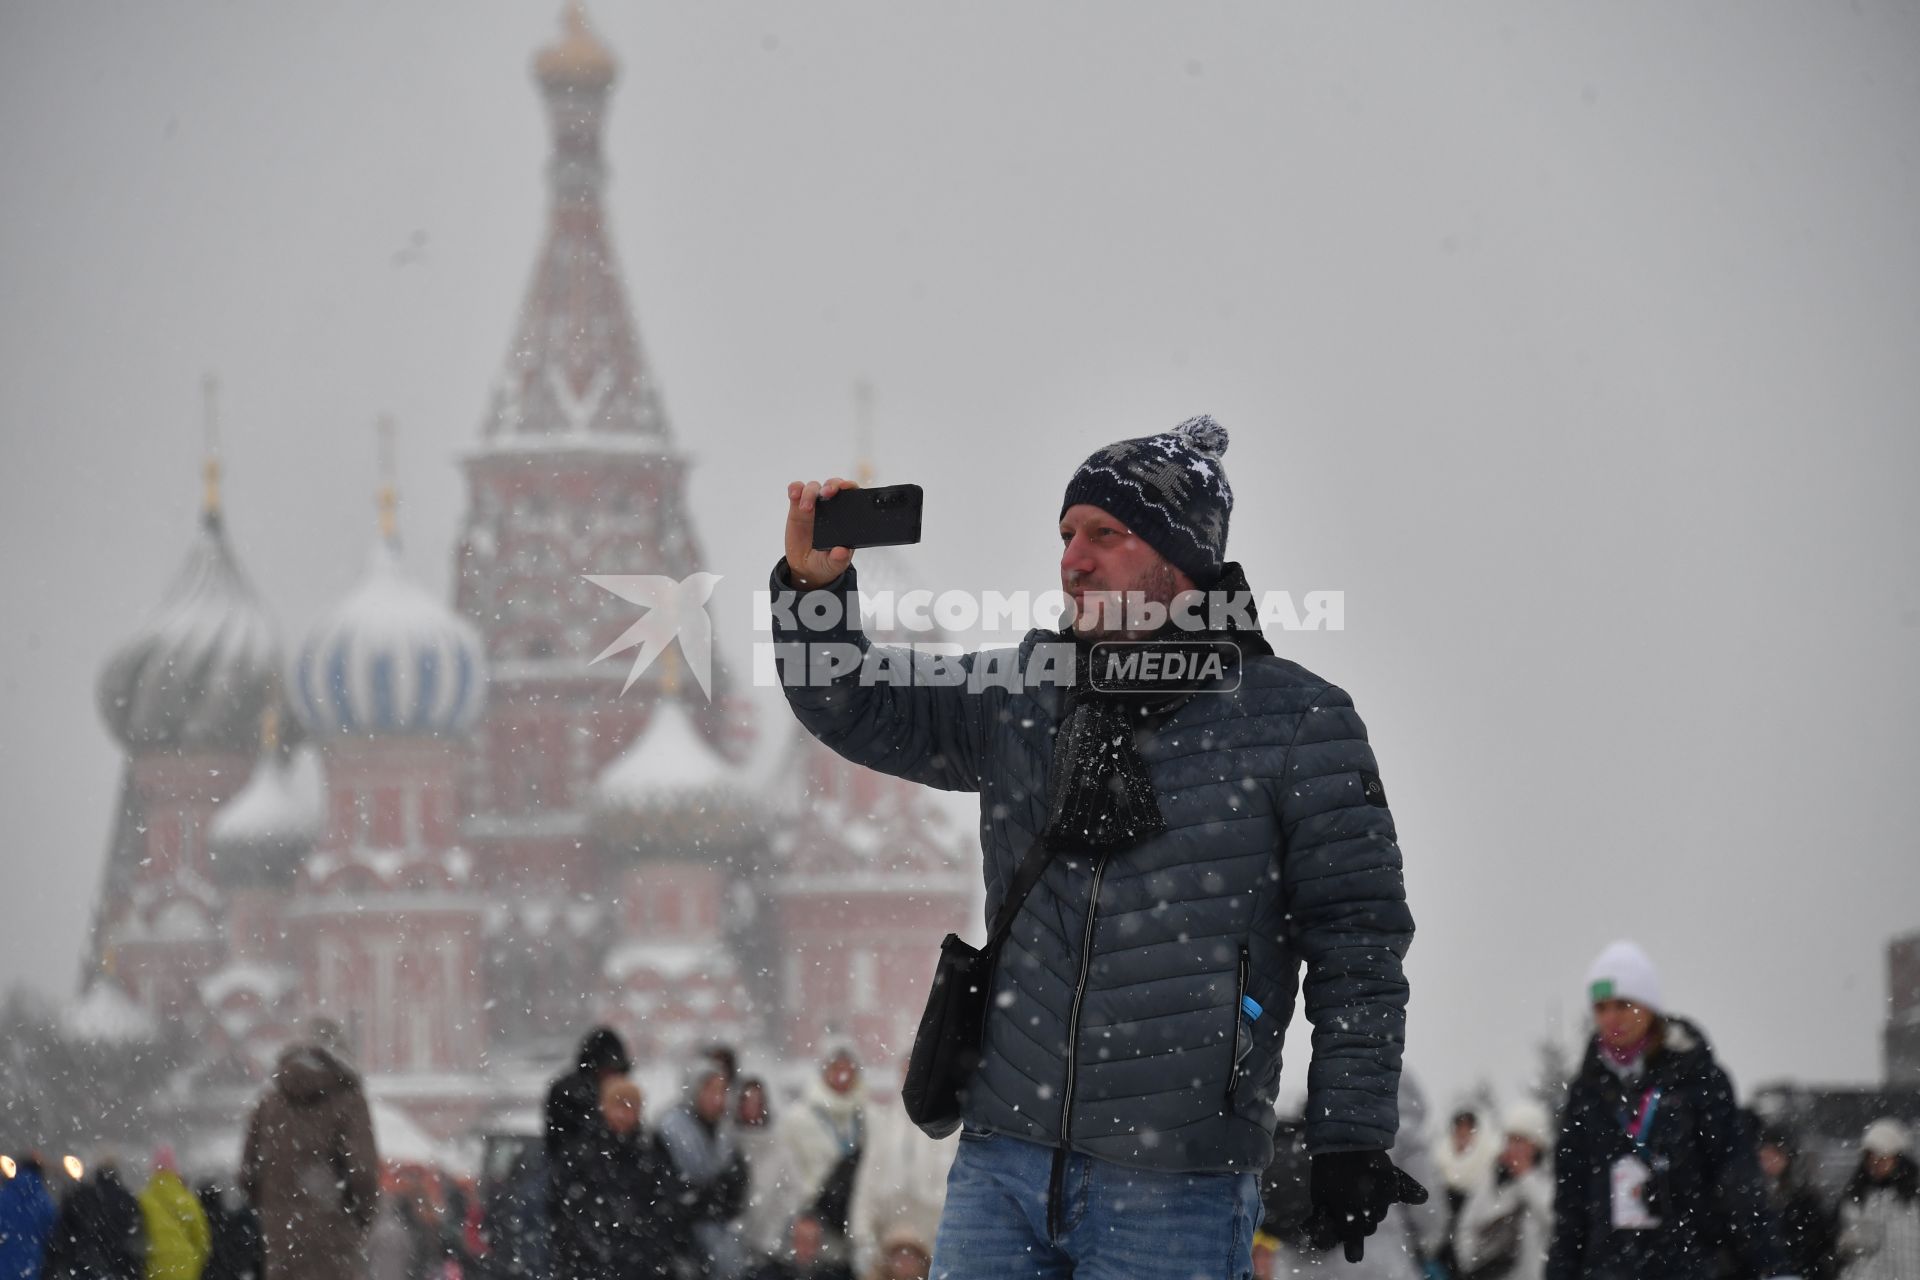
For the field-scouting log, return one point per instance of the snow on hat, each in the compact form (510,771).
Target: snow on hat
(1624,972)
(1886,1137)
(1169,489)
(1530,1120)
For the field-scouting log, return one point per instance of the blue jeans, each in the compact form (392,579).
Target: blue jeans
(1115,1223)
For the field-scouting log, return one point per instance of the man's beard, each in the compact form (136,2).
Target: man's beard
(1103,613)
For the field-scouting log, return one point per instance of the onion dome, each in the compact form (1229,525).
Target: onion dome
(577,58)
(260,837)
(198,673)
(671,793)
(390,661)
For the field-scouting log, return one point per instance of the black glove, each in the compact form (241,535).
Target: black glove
(1352,1192)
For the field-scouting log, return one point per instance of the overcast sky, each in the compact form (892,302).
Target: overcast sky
(1576,345)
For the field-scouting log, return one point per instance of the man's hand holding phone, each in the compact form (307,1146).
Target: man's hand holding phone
(806,567)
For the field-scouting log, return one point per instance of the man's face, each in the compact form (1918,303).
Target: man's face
(1519,1155)
(1773,1161)
(1882,1168)
(711,1102)
(622,1112)
(1464,1129)
(806,1239)
(1621,1023)
(1100,555)
(906,1263)
(841,1073)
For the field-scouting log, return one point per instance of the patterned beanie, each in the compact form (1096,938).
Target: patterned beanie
(1169,489)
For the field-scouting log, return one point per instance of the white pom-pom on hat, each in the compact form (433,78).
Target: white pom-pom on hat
(1204,435)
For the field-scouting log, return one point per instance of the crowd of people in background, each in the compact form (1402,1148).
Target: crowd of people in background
(1647,1169)
(723,1187)
(100,1229)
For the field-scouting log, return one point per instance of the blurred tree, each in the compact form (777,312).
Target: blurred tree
(61,1093)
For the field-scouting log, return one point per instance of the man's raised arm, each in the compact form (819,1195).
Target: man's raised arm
(910,716)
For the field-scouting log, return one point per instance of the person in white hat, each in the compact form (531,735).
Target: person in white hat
(818,1143)
(1508,1217)
(1880,1212)
(1655,1170)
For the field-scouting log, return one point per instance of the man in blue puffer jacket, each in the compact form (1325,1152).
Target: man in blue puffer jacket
(1204,844)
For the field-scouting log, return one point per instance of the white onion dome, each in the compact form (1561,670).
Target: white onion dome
(390,661)
(672,792)
(260,837)
(196,676)
(107,1015)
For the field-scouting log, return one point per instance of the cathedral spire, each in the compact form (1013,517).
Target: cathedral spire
(575,73)
(575,375)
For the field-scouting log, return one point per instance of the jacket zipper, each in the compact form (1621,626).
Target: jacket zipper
(1239,1015)
(1079,994)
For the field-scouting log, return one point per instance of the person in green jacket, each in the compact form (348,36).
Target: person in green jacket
(178,1238)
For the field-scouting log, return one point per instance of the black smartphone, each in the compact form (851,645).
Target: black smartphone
(888,516)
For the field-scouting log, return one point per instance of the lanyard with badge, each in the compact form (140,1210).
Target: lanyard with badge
(1633,1175)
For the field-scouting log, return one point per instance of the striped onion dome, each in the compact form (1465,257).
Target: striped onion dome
(198,674)
(390,661)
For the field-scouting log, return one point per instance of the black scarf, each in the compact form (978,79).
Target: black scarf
(1099,796)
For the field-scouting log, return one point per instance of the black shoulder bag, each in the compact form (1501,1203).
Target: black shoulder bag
(946,1049)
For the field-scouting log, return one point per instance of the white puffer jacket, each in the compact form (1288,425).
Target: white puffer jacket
(1502,1217)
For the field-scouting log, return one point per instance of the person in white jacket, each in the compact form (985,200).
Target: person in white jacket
(1507,1221)
(818,1141)
(1464,1153)
(901,1185)
(1880,1209)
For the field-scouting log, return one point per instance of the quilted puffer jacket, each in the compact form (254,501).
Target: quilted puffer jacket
(1117,1017)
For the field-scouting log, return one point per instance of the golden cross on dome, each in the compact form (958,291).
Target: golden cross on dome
(863,431)
(270,726)
(210,464)
(669,673)
(388,498)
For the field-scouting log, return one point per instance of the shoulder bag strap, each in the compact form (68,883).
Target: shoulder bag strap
(1032,867)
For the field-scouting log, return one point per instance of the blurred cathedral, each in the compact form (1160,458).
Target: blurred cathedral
(443,826)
